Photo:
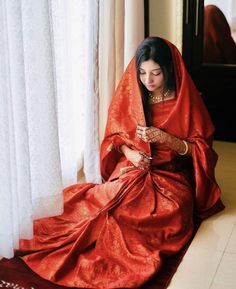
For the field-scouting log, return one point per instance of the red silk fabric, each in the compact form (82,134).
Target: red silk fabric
(115,234)
(219,45)
(187,120)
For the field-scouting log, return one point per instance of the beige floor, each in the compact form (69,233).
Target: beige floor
(210,262)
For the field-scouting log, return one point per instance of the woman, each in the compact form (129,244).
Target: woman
(158,168)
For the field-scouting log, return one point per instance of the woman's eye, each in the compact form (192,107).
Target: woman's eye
(156,73)
(152,73)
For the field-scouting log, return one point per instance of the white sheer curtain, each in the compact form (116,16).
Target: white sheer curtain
(30,172)
(43,91)
(77,87)
(91,151)
(121,29)
(69,32)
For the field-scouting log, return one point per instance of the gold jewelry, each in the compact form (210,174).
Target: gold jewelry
(186,148)
(157,98)
(145,156)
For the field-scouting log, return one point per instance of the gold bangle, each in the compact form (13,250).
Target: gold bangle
(186,148)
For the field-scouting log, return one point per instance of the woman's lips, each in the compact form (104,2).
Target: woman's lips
(150,87)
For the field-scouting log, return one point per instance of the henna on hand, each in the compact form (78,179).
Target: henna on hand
(153,134)
(150,134)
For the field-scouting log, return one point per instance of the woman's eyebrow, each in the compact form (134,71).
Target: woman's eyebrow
(151,70)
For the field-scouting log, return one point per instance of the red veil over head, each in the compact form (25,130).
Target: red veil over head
(189,120)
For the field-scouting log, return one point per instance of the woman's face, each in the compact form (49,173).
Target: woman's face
(151,76)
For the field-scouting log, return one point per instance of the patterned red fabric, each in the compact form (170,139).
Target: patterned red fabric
(187,120)
(117,234)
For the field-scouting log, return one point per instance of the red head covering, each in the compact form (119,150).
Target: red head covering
(188,120)
(219,46)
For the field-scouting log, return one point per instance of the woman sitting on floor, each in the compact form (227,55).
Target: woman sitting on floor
(158,166)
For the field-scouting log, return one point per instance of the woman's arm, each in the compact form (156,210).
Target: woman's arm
(153,134)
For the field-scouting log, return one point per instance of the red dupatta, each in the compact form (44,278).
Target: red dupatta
(189,120)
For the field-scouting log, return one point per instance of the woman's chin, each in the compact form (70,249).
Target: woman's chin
(151,88)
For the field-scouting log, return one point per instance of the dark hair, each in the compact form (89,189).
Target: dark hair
(157,49)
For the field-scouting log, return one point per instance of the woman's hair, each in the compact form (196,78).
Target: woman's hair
(157,49)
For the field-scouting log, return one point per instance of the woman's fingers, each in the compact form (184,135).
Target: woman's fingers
(146,157)
(141,132)
(148,134)
(144,162)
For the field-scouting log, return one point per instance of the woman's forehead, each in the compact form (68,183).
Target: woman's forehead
(150,65)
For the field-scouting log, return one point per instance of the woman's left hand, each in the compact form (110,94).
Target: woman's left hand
(150,134)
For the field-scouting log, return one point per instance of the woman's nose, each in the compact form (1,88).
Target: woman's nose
(148,79)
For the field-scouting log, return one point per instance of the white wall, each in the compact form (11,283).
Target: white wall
(165,20)
(228,7)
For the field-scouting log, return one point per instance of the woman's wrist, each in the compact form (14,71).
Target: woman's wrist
(186,149)
(182,147)
(123,149)
(162,136)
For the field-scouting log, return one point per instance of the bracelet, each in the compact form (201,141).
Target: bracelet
(186,148)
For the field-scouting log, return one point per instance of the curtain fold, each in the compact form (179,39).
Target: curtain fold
(107,58)
(121,29)
(91,151)
(30,174)
(68,33)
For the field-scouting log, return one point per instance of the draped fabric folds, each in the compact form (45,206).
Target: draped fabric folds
(30,172)
(188,120)
(116,234)
(91,142)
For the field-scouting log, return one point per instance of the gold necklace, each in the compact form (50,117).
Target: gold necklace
(157,98)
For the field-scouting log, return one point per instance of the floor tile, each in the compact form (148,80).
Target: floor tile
(226,273)
(231,247)
(219,286)
(213,234)
(210,261)
(196,270)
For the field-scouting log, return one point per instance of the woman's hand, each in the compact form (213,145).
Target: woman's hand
(150,134)
(138,159)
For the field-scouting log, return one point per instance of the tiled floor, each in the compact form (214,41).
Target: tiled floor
(210,262)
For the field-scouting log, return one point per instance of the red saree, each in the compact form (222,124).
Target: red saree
(115,235)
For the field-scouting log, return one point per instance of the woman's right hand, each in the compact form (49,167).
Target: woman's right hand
(137,158)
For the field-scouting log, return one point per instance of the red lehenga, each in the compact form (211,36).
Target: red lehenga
(115,234)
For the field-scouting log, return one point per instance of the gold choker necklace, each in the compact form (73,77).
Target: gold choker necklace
(157,98)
